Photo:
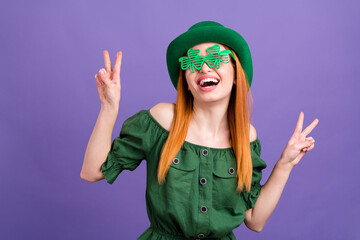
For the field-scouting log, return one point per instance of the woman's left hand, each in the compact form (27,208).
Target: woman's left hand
(298,144)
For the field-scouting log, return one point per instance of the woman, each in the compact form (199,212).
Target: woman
(203,179)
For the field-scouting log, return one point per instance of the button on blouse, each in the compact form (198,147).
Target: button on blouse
(176,161)
(211,209)
(203,209)
(201,235)
(205,152)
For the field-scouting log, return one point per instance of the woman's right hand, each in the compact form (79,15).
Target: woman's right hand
(108,82)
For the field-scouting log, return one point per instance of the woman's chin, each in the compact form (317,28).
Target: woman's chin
(212,99)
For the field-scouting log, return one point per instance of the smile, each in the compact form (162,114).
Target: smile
(208,82)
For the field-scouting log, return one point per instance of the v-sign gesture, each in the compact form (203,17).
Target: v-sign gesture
(108,82)
(271,191)
(298,144)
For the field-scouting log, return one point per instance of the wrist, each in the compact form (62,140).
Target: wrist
(109,109)
(285,166)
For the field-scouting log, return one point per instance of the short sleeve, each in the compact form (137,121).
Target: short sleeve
(129,149)
(258,165)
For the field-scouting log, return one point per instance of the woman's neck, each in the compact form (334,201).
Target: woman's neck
(210,119)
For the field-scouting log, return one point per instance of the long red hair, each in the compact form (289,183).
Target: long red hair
(239,118)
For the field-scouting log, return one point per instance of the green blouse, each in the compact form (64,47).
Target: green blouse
(198,199)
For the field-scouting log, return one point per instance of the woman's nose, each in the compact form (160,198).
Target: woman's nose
(205,68)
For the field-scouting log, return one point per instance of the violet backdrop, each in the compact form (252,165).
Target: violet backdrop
(305,56)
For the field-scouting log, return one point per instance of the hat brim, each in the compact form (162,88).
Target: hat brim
(219,34)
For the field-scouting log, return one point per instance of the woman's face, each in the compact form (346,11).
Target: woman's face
(210,84)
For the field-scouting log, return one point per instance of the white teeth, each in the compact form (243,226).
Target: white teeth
(208,80)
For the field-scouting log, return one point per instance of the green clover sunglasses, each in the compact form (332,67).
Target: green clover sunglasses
(194,61)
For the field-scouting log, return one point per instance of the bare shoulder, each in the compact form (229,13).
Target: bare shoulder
(253,134)
(163,114)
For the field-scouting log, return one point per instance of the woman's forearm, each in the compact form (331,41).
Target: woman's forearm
(99,145)
(269,196)
(270,193)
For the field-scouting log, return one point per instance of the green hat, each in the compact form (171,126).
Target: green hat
(207,31)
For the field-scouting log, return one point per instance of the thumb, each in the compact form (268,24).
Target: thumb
(298,158)
(306,143)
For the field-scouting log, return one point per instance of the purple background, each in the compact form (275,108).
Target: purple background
(306,58)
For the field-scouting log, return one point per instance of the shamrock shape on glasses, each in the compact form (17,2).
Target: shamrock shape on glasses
(214,58)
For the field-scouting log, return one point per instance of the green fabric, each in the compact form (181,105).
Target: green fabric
(174,207)
(208,31)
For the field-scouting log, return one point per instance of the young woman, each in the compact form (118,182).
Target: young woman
(203,155)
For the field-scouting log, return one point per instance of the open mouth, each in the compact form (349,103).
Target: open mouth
(208,82)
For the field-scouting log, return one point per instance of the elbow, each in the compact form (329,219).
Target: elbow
(85,177)
(90,177)
(253,222)
(258,229)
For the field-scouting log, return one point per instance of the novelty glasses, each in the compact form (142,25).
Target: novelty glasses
(193,60)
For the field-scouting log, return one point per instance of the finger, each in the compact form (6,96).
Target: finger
(117,65)
(310,127)
(304,144)
(98,81)
(107,61)
(299,124)
(312,146)
(103,77)
(309,148)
